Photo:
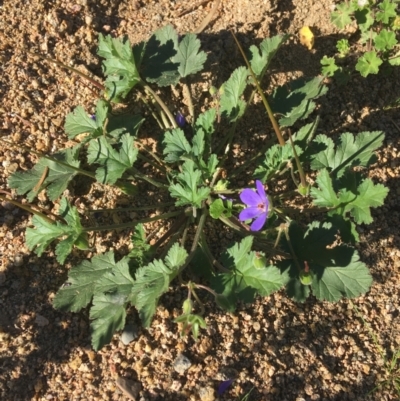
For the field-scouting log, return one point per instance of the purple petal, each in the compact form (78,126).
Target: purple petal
(259,222)
(261,191)
(249,213)
(224,386)
(250,198)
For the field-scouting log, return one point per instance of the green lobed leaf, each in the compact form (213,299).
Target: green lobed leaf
(218,209)
(368,195)
(245,280)
(385,40)
(232,106)
(324,195)
(158,63)
(25,182)
(114,163)
(261,57)
(205,122)
(356,201)
(294,100)
(314,246)
(44,233)
(212,164)
(79,288)
(60,175)
(332,282)
(153,280)
(368,64)
(175,258)
(341,16)
(189,58)
(56,179)
(176,145)
(188,190)
(198,144)
(387,11)
(275,160)
(79,122)
(119,66)
(117,280)
(352,151)
(335,270)
(108,315)
(329,66)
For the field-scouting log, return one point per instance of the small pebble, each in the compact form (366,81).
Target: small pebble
(181,364)
(18,260)
(41,321)
(129,334)
(206,393)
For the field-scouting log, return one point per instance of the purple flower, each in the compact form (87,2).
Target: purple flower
(180,119)
(224,386)
(257,206)
(93,117)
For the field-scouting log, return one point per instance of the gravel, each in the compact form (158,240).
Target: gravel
(286,351)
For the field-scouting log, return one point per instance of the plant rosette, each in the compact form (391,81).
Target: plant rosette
(273,234)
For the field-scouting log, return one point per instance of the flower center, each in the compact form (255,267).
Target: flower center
(261,207)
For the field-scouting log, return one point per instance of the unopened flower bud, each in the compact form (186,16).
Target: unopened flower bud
(259,261)
(180,119)
(306,278)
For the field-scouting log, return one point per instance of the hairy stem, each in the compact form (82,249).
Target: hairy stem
(260,91)
(186,89)
(196,238)
(27,208)
(195,296)
(161,103)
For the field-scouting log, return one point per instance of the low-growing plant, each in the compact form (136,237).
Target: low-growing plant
(378,23)
(295,228)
